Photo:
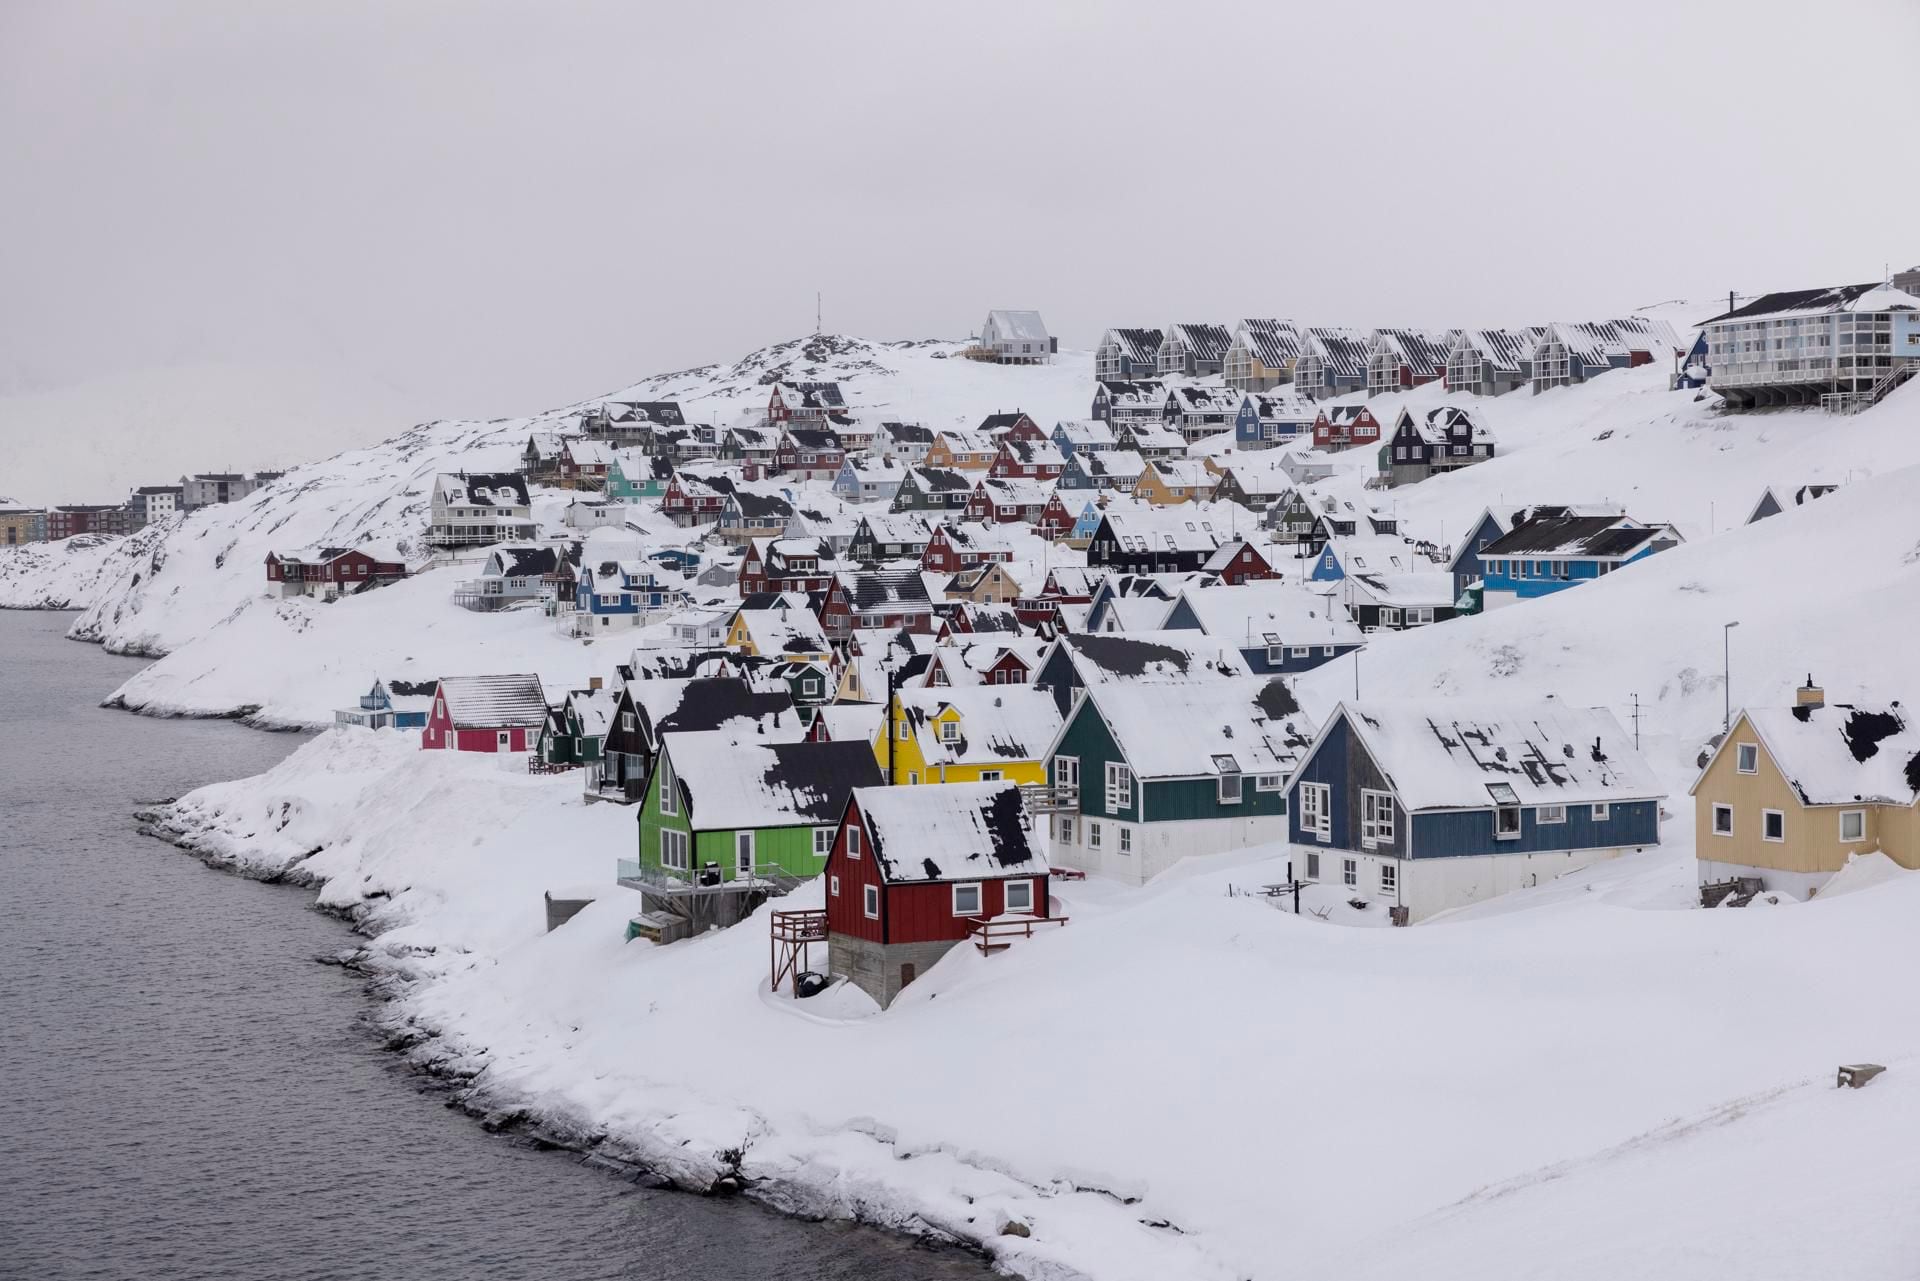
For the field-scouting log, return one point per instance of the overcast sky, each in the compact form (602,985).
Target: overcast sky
(489,208)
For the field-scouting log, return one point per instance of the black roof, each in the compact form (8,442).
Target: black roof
(1581,535)
(664,412)
(1828,299)
(909,433)
(752,504)
(524,562)
(997,422)
(821,774)
(942,479)
(709,702)
(1124,655)
(887,587)
(814,438)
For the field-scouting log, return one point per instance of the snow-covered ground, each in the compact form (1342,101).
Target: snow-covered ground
(70,574)
(1586,1080)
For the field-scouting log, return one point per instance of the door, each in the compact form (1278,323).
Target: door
(505,741)
(906,973)
(743,855)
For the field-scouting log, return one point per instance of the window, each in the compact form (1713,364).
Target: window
(1126,840)
(1389,878)
(1313,865)
(1550,814)
(1228,789)
(1326,651)
(1019,896)
(674,849)
(1747,758)
(1064,830)
(1349,872)
(822,841)
(853,842)
(1119,787)
(1302,651)
(1276,653)
(1602,812)
(1773,825)
(1389,616)
(1853,825)
(1316,811)
(1093,836)
(1066,771)
(1376,817)
(872,902)
(1269,782)
(966,899)
(1506,823)
(1723,820)
(667,796)
(949,731)
(833,886)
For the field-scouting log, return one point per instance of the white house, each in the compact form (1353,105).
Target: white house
(475,509)
(1017,338)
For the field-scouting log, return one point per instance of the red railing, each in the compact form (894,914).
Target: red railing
(991,935)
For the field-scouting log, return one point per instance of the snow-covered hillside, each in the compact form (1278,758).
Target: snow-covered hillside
(70,574)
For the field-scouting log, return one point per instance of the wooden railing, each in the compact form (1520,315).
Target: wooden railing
(788,934)
(995,934)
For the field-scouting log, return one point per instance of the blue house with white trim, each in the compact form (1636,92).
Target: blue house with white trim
(1466,566)
(1266,419)
(1279,627)
(1432,807)
(624,591)
(1549,549)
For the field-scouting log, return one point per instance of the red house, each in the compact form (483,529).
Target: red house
(915,870)
(811,453)
(786,565)
(952,549)
(485,714)
(689,500)
(804,402)
(1013,426)
(1056,522)
(863,600)
(329,572)
(1345,427)
(1238,561)
(1027,460)
(1002,502)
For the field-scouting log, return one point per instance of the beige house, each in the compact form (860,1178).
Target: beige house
(1791,793)
(1166,481)
(988,584)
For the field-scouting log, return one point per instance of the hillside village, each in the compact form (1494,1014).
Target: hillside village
(883,691)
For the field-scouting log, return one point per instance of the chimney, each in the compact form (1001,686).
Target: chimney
(593,682)
(1810,695)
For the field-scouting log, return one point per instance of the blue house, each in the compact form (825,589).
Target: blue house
(1266,419)
(1091,434)
(1694,369)
(1428,808)
(624,591)
(1550,549)
(1278,627)
(1465,565)
(684,561)
(380,709)
(1366,554)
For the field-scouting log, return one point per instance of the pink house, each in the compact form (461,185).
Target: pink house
(485,714)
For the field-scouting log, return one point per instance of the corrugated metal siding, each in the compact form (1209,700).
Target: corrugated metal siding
(1471,832)
(1199,798)
(1087,738)
(1329,766)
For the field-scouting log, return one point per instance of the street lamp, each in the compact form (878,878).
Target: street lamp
(1726,674)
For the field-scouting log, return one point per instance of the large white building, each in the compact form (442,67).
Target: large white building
(1844,347)
(475,509)
(1017,338)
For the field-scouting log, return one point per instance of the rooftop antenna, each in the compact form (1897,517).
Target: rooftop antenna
(816,311)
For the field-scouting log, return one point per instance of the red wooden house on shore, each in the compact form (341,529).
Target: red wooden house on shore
(915,870)
(328,572)
(485,714)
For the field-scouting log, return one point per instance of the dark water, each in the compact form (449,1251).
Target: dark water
(184,1093)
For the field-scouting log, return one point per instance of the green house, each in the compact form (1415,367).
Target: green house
(810,684)
(633,475)
(575,730)
(721,807)
(1167,770)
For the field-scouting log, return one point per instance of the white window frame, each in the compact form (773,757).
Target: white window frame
(1316,810)
(1064,829)
(1861,815)
(1714,826)
(1269,782)
(822,841)
(1602,811)
(1066,771)
(853,842)
(676,849)
(1093,835)
(1743,753)
(870,902)
(745,843)
(1770,814)
(1119,787)
(949,731)
(1229,788)
(1519,823)
(667,798)
(1025,887)
(979,898)
(1350,872)
(1389,877)
(1126,839)
(1547,814)
(1375,829)
(833,886)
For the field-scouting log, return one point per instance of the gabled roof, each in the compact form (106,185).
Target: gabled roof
(995,423)
(1015,491)
(948,832)
(998,723)
(665,413)
(1134,344)
(1507,350)
(705,703)
(1178,656)
(907,433)
(1274,343)
(1270,612)
(1605,536)
(1203,342)
(1839,754)
(1021,326)
(937,480)
(1202,398)
(1084,431)
(961,441)
(494,702)
(1187,472)
(1598,341)
(1188,729)
(1152,434)
(1343,351)
(1138,393)
(1439,757)
(817,396)
(1376,554)
(885,467)
(481,489)
(896,527)
(1186,527)
(1280,406)
(593,710)
(776,632)
(759,505)
(886,591)
(1121,464)
(521,560)
(1439,425)
(732,781)
(1035,453)
(817,438)
(1872,296)
(1420,350)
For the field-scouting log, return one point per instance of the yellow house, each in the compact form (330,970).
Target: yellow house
(1792,793)
(17,526)
(1167,481)
(988,584)
(967,735)
(786,632)
(961,451)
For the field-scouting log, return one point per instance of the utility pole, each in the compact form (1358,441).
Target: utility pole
(816,311)
(893,732)
(1636,721)
(1726,676)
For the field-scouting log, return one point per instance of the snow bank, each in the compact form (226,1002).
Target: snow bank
(1183,1081)
(69,574)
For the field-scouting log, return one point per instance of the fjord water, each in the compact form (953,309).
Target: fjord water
(185,1093)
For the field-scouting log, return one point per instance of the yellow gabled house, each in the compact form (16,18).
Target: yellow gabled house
(1792,793)
(967,735)
(786,631)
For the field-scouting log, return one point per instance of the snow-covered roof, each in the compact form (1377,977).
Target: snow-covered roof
(1562,532)
(1597,341)
(1154,435)
(1376,554)
(1019,326)
(998,723)
(732,781)
(936,480)
(590,453)
(1084,431)
(494,702)
(1441,423)
(1274,343)
(949,832)
(1416,588)
(852,722)
(1421,350)
(1270,612)
(1280,406)
(1179,656)
(1120,464)
(1202,342)
(1437,757)
(1189,729)
(815,396)
(1873,296)
(1134,344)
(1841,754)
(594,709)
(905,528)
(1198,398)
(1183,527)
(885,591)
(481,489)
(1507,350)
(1034,453)
(1016,491)
(775,633)
(966,661)
(1189,473)
(884,467)
(1138,393)
(1343,351)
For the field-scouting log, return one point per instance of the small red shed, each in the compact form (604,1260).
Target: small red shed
(914,870)
(485,714)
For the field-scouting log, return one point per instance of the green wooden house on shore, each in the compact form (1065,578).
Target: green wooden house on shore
(575,730)
(719,808)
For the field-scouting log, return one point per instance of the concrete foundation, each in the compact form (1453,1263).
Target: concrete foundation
(881,969)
